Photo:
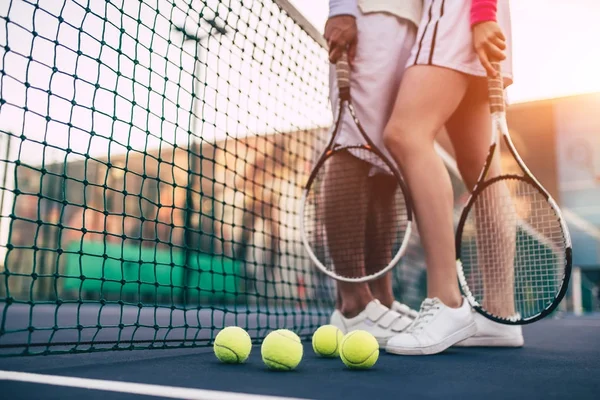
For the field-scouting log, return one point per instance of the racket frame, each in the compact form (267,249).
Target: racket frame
(500,127)
(345,104)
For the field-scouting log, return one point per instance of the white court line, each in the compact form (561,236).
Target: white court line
(143,389)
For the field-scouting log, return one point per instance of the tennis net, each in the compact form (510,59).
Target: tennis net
(152,156)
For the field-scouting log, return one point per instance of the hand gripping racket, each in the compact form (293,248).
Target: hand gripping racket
(356,216)
(513,246)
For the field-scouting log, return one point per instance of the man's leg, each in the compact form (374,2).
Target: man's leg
(346,214)
(382,226)
(374,80)
(345,223)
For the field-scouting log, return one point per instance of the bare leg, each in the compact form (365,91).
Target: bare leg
(496,212)
(345,222)
(381,227)
(428,96)
(375,78)
(470,131)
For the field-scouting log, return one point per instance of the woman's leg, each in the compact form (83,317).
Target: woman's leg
(428,97)
(470,130)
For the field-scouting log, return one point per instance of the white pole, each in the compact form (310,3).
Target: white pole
(562,306)
(576,291)
(6,197)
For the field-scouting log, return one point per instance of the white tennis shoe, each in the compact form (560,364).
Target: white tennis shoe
(436,328)
(405,310)
(380,321)
(493,334)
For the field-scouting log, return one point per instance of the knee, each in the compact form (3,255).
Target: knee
(402,141)
(390,135)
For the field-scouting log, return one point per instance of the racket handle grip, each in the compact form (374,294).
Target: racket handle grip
(496,90)
(343,76)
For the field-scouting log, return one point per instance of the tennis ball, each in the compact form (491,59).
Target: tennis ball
(326,341)
(359,350)
(232,345)
(282,350)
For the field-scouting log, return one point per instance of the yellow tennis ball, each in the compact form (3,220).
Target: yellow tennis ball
(282,350)
(326,341)
(359,350)
(232,345)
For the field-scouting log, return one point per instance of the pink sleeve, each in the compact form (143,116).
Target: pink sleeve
(483,10)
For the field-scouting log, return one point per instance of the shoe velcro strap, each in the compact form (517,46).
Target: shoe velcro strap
(388,319)
(375,313)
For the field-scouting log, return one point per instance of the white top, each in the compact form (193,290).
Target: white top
(408,9)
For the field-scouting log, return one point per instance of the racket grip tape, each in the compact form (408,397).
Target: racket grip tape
(496,90)
(343,75)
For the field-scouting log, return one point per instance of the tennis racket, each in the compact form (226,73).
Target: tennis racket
(513,246)
(356,217)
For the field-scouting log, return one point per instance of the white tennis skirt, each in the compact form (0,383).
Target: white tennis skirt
(445,38)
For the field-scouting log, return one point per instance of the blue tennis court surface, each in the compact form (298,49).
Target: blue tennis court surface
(561,359)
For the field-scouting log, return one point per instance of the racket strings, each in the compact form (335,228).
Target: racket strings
(513,250)
(355,216)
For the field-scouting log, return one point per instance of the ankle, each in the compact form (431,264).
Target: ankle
(382,291)
(352,309)
(386,300)
(453,302)
(450,301)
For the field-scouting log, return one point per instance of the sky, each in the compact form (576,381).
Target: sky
(117,83)
(555,45)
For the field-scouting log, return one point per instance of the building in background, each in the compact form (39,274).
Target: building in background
(560,141)
(218,221)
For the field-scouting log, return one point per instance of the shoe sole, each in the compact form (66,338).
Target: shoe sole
(382,342)
(491,341)
(451,340)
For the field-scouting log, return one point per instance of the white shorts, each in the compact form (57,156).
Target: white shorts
(445,39)
(384,46)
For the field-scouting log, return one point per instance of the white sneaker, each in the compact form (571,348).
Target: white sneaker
(436,328)
(405,310)
(376,318)
(493,334)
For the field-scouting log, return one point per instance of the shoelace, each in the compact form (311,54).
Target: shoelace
(427,311)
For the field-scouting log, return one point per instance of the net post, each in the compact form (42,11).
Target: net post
(576,294)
